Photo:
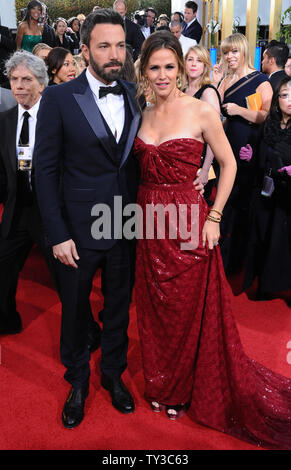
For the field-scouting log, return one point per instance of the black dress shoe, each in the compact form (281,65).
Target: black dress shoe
(94,336)
(11,327)
(73,412)
(121,398)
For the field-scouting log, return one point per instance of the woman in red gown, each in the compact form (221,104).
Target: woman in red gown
(192,355)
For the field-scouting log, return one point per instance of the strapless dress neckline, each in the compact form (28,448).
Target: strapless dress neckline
(170,140)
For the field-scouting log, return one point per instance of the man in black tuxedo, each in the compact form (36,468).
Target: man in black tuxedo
(134,36)
(7,46)
(83,158)
(21,222)
(275,57)
(192,29)
(149,27)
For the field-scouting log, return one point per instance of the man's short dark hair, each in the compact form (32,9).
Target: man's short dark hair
(278,50)
(192,5)
(152,10)
(100,16)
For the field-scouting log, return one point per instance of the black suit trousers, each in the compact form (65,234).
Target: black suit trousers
(75,289)
(26,230)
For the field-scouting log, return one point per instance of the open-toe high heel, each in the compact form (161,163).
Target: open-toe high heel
(177,411)
(157,407)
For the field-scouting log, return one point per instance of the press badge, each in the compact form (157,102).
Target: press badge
(24,157)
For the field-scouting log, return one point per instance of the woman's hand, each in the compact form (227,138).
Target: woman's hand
(210,234)
(246,153)
(287,170)
(231,109)
(217,73)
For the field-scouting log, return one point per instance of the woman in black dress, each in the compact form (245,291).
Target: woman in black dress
(241,127)
(269,249)
(198,69)
(62,38)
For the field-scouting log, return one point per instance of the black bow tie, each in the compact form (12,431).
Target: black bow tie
(104,90)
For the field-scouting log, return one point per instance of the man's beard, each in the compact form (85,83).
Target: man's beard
(109,76)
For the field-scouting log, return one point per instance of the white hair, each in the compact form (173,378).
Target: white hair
(33,63)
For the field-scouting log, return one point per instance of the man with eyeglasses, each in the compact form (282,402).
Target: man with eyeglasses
(274,59)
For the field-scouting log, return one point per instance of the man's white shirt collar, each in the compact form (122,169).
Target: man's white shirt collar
(95,84)
(111,106)
(32,111)
(192,21)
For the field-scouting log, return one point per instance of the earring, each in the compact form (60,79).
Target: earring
(179,81)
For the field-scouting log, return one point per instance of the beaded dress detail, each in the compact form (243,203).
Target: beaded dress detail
(191,349)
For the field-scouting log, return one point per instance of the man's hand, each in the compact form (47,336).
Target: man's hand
(66,253)
(198,186)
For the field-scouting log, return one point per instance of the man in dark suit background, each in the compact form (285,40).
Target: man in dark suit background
(274,59)
(149,27)
(134,36)
(7,100)
(85,132)
(192,29)
(7,46)
(21,223)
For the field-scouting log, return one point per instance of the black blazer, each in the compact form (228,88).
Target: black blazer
(134,37)
(276,79)
(74,165)
(8,170)
(67,43)
(194,31)
(48,36)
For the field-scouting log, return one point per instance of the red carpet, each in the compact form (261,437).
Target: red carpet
(33,390)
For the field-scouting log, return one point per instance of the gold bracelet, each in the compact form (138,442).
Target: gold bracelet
(213,219)
(215,210)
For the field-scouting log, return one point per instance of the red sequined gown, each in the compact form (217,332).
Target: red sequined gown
(190,345)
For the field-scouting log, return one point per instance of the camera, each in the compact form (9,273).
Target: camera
(139,17)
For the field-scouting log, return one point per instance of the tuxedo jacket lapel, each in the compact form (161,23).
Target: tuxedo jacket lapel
(87,104)
(91,111)
(11,129)
(136,117)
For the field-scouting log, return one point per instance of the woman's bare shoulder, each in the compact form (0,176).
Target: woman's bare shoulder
(196,106)
(22,26)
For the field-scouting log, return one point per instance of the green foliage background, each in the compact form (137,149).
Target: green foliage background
(69,8)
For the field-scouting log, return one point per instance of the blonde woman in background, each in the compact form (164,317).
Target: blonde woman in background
(198,69)
(41,50)
(241,127)
(81,63)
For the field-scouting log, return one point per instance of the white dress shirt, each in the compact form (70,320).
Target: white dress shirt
(31,124)
(111,106)
(146,31)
